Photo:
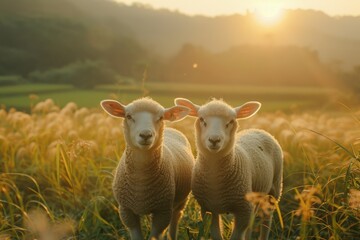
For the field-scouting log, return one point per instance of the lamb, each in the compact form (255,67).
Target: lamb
(230,165)
(154,173)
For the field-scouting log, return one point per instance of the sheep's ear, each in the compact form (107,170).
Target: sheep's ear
(176,113)
(247,110)
(113,108)
(187,103)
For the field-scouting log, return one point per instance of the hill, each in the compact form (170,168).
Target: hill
(53,42)
(166,31)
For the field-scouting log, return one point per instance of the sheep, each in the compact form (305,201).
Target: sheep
(154,173)
(230,165)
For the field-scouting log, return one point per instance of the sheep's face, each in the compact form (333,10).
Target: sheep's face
(144,128)
(143,120)
(216,124)
(215,132)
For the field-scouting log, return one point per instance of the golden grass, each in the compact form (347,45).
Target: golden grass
(56,168)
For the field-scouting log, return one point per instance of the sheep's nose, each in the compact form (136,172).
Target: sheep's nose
(146,135)
(214,140)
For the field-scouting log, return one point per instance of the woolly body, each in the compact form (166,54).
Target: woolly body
(255,165)
(230,165)
(154,173)
(160,183)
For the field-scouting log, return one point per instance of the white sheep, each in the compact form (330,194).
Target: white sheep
(154,173)
(230,165)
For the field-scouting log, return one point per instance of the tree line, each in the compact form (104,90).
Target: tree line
(49,42)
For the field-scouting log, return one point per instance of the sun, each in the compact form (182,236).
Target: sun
(269,15)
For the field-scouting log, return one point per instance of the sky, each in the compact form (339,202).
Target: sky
(226,7)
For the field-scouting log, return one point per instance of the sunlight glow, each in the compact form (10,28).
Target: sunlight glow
(269,15)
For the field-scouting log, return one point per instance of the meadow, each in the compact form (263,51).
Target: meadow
(58,156)
(17,96)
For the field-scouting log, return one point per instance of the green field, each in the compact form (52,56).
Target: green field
(273,98)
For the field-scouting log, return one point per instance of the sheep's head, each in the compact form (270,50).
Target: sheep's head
(143,120)
(216,123)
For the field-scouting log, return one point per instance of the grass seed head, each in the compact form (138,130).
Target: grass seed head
(354,200)
(4,237)
(307,198)
(264,202)
(39,226)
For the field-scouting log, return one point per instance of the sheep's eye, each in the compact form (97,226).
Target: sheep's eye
(229,123)
(129,117)
(203,121)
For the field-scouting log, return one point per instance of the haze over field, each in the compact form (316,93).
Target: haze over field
(165,31)
(86,43)
(228,7)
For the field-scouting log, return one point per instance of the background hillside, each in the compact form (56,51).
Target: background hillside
(100,41)
(165,31)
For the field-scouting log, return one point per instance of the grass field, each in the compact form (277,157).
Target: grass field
(57,162)
(273,97)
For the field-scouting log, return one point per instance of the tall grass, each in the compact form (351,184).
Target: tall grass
(56,168)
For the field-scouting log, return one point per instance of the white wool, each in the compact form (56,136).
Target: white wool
(245,162)
(155,181)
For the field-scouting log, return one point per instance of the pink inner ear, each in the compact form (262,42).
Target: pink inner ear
(113,108)
(177,111)
(193,108)
(247,110)
(169,115)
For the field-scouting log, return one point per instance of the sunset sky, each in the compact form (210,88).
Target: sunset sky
(218,7)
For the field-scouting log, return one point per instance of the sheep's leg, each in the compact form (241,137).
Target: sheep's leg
(241,223)
(265,227)
(215,227)
(275,191)
(132,222)
(160,221)
(176,215)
